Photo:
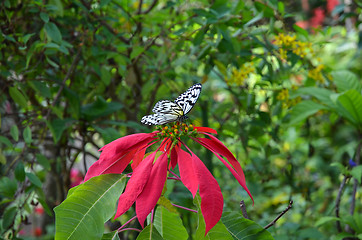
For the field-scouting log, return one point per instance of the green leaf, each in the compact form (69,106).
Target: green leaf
(137,50)
(42,160)
(303,110)
(281,8)
(53,32)
(219,231)
(301,31)
(346,80)
(111,236)
(18,97)
(322,94)
(41,88)
(242,228)
(8,187)
(34,179)
(74,102)
(323,220)
(44,16)
(20,172)
(5,141)
(9,217)
(149,233)
(58,126)
(108,134)
(351,101)
(27,135)
(356,172)
(99,108)
(14,132)
(169,225)
(83,214)
(106,75)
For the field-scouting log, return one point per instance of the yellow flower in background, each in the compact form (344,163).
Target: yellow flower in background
(283,96)
(238,76)
(316,73)
(290,43)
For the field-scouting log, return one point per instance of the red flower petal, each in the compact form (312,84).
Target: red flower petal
(135,185)
(148,198)
(214,144)
(116,156)
(238,175)
(116,166)
(211,198)
(187,172)
(138,157)
(173,157)
(205,129)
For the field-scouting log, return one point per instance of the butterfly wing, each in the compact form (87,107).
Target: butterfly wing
(165,112)
(158,119)
(187,100)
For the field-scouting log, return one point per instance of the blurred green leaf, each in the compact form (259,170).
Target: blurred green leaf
(20,172)
(53,32)
(303,110)
(42,160)
(27,135)
(351,101)
(301,31)
(8,187)
(34,179)
(323,220)
(346,80)
(242,228)
(41,88)
(5,141)
(18,97)
(357,173)
(14,132)
(108,134)
(98,197)
(99,108)
(9,217)
(58,126)
(44,16)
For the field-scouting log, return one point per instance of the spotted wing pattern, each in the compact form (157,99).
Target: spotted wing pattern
(188,99)
(165,112)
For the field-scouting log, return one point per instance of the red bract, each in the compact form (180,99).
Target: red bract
(149,174)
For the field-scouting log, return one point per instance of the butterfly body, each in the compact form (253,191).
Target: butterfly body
(166,111)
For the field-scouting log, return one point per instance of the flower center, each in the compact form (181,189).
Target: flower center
(176,130)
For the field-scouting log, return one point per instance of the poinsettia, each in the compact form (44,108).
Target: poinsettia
(149,174)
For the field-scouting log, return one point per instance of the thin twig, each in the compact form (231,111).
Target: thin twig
(243,209)
(280,215)
(338,201)
(355,182)
(133,218)
(126,229)
(153,4)
(185,208)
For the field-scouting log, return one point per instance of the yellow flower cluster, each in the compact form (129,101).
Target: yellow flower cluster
(316,73)
(283,96)
(289,43)
(238,76)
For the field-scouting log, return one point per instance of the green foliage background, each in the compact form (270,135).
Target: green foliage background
(76,75)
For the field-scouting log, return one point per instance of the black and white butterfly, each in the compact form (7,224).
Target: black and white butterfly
(167,111)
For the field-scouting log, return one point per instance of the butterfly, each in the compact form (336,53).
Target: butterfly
(166,111)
